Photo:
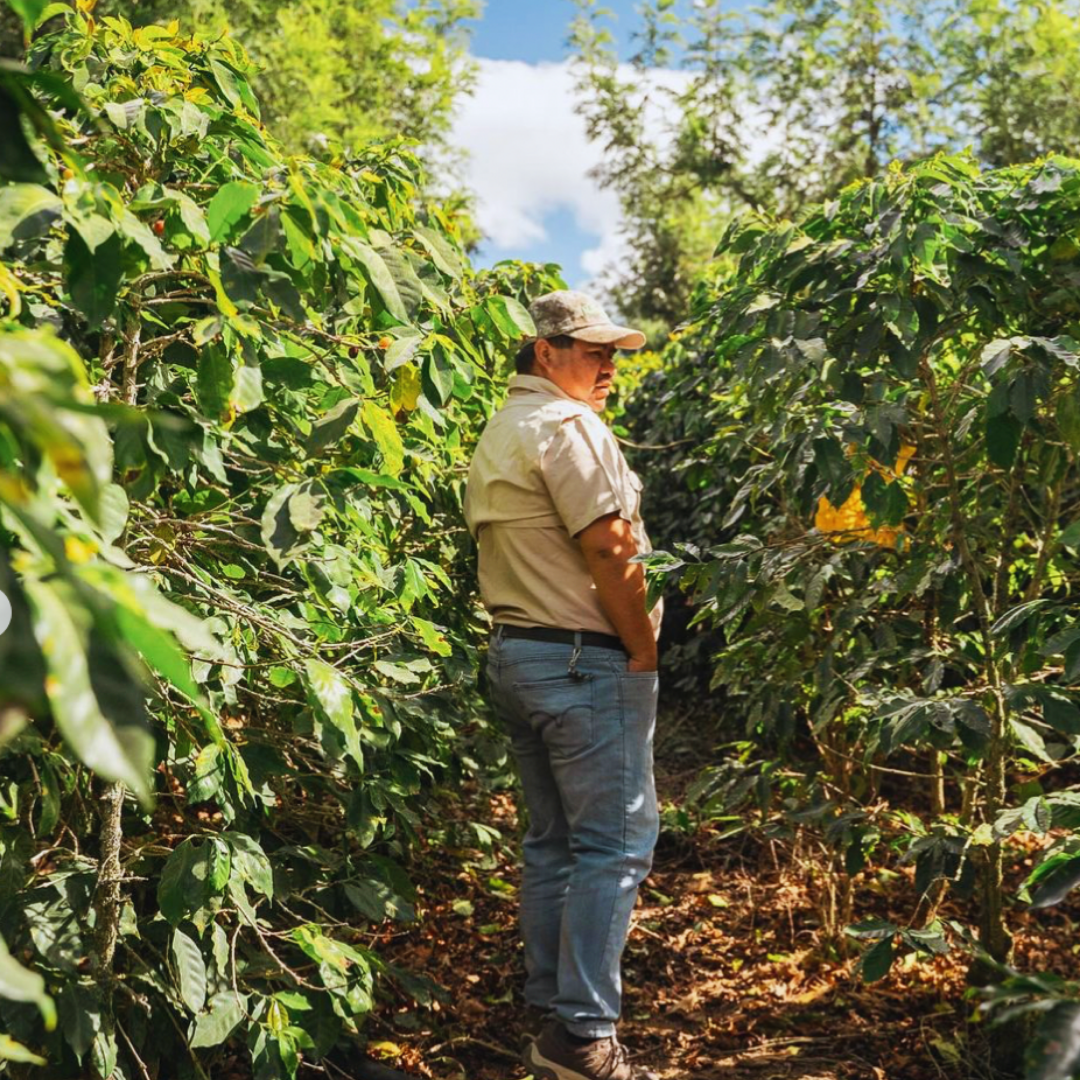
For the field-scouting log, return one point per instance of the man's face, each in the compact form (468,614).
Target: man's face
(584,370)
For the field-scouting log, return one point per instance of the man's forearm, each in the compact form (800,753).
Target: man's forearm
(621,589)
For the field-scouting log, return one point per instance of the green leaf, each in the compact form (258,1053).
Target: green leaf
(194,219)
(1016,616)
(80,1016)
(334,696)
(396,672)
(26,210)
(139,232)
(329,429)
(1030,740)
(29,11)
(93,277)
(124,753)
(384,431)
(10,1050)
(190,970)
(433,637)
(194,875)
(306,510)
(251,862)
(161,653)
(996,355)
(247,393)
(378,275)
(1054,1054)
(872,929)
(402,350)
(18,162)
(1057,883)
(216,380)
(20,984)
(377,901)
(1070,537)
(229,206)
(510,316)
(1060,713)
(437,379)
(874,964)
(442,254)
(225,1011)
(1003,439)
(114,509)
(279,535)
(886,502)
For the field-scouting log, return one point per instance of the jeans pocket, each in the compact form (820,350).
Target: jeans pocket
(560,711)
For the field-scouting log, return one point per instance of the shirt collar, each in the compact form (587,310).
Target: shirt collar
(537,384)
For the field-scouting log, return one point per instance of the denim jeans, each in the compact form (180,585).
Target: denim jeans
(583,740)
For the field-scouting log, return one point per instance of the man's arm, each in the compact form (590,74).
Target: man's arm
(608,546)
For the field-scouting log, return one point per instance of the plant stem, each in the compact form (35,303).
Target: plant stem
(107,900)
(993,934)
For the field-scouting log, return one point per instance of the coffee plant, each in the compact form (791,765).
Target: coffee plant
(876,417)
(237,395)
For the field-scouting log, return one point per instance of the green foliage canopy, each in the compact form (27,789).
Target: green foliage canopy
(936,307)
(237,393)
(779,107)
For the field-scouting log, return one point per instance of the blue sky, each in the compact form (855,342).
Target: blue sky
(535,30)
(528,149)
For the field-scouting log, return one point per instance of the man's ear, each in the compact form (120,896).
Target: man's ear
(542,350)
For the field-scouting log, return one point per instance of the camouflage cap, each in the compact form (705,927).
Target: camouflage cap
(581,317)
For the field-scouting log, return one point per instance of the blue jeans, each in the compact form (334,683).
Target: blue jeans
(583,741)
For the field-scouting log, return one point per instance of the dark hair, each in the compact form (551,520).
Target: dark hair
(525,360)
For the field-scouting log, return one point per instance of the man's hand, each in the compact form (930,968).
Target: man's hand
(608,546)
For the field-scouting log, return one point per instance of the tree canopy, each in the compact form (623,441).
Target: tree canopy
(780,107)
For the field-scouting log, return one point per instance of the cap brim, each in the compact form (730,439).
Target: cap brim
(622,337)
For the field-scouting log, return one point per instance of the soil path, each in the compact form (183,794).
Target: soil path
(728,974)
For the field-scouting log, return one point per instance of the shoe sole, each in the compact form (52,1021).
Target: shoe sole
(543,1069)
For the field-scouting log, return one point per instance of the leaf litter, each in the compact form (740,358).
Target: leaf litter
(727,972)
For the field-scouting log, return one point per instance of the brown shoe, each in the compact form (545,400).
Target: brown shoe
(532,1024)
(556,1056)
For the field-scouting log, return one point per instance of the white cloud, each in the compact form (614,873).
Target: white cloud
(529,156)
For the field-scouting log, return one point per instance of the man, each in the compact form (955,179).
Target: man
(572,669)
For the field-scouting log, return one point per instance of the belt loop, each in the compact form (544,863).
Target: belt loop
(572,670)
(499,629)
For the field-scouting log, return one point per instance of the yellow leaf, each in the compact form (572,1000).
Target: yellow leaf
(385,433)
(9,286)
(78,551)
(385,1050)
(405,392)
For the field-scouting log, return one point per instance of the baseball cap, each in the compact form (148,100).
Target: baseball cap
(580,316)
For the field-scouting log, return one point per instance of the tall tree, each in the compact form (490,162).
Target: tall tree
(342,69)
(778,108)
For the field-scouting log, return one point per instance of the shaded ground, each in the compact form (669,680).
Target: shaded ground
(727,971)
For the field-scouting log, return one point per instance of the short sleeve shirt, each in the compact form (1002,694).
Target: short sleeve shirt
(546,467)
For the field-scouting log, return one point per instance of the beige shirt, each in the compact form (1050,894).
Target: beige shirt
(545,468)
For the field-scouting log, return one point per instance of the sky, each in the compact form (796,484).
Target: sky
(529,156)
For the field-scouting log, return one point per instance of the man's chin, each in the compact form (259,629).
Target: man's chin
(599,396)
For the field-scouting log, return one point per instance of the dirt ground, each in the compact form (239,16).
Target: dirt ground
(728,973)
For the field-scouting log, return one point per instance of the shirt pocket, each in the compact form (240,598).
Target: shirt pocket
(560,711)
(632,488)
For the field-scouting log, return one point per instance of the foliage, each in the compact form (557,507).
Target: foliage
(780,106)
(334,69)
(237,394)
(934,308)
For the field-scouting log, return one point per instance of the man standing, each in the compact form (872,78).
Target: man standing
(572,669)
